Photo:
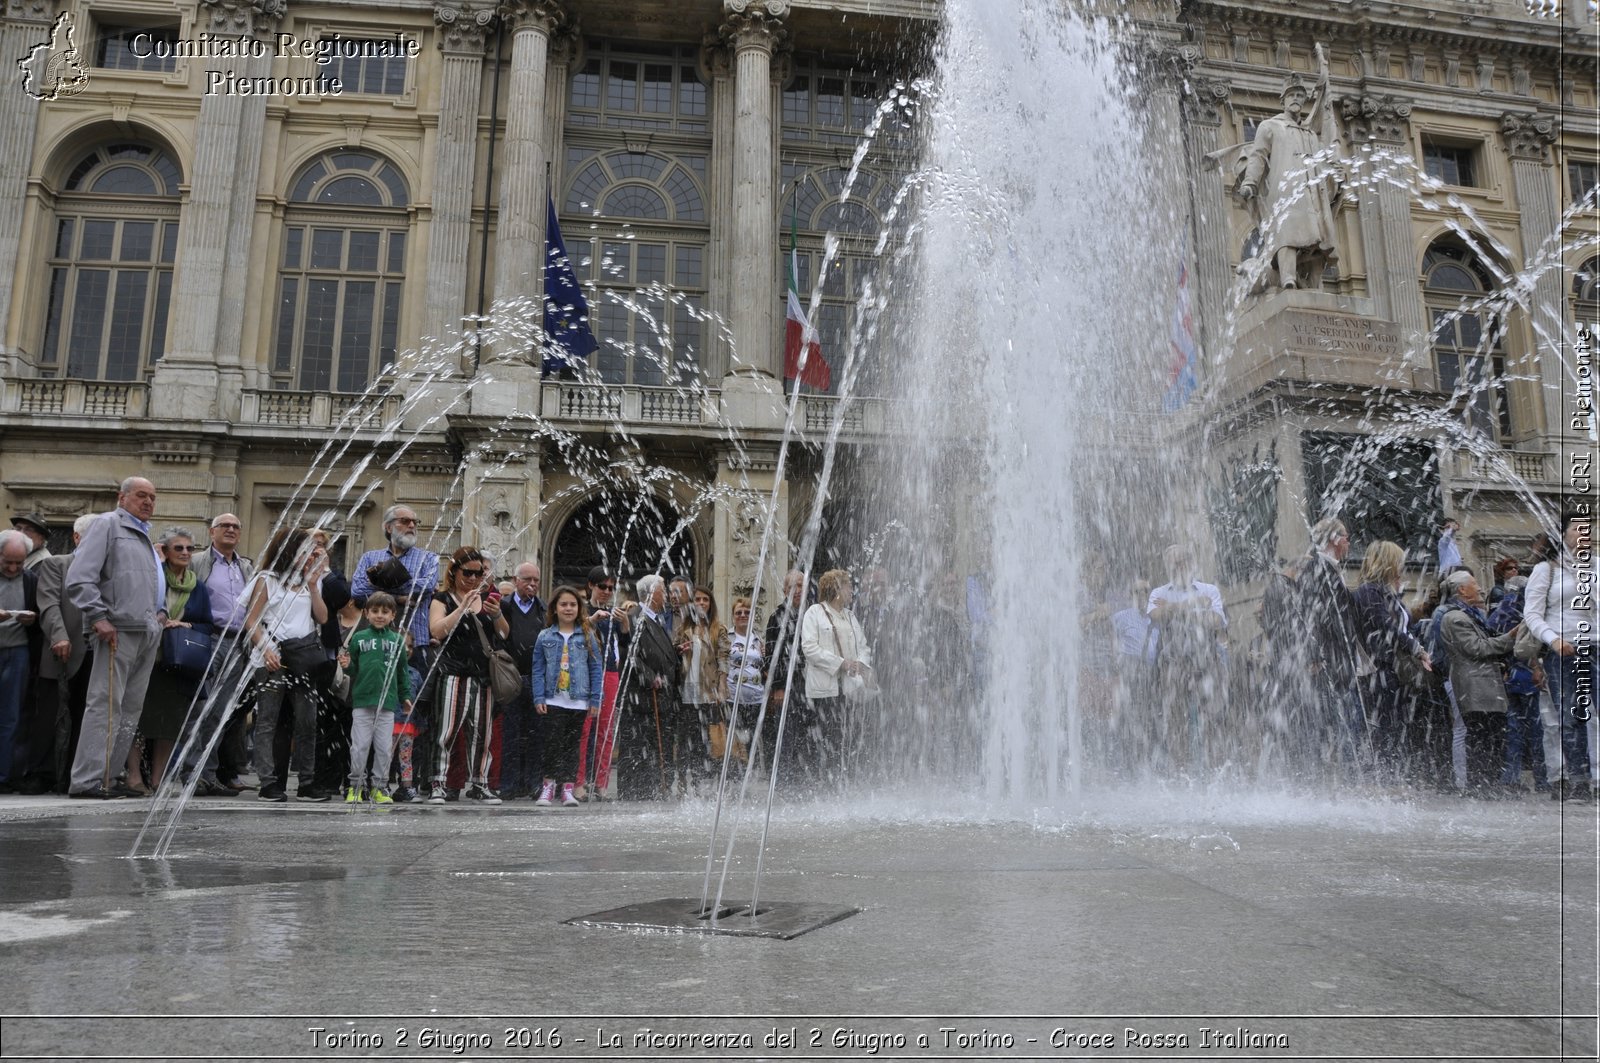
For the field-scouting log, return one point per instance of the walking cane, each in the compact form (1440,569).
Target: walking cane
(111,711)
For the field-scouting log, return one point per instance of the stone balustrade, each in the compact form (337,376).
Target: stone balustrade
(75,398)
(315,409)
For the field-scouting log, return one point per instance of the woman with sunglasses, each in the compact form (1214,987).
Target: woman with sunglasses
(466,622)
(167,699)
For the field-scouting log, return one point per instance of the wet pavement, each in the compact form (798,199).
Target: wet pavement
(1362,928)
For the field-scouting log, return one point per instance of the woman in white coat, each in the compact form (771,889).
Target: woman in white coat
(838,667)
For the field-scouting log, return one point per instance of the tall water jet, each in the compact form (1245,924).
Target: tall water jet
(1047,240)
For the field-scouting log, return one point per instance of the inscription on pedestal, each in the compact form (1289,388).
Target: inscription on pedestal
(1347,335)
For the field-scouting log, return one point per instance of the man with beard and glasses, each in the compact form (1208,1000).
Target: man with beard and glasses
(400,529)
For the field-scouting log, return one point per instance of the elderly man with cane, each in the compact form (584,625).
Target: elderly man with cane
(115,581)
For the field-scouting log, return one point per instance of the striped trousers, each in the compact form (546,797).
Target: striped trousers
(464,706)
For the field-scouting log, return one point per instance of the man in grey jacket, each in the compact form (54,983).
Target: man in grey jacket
(115,580)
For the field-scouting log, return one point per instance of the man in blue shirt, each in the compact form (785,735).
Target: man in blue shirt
(400,529)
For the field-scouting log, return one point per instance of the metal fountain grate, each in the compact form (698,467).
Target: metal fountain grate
(776,919)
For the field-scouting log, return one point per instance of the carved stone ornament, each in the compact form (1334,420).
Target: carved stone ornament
(246,18)
(566,45)
(543,14)
(715,59)
(32,12)
(1379,118)
(754,24)
(462,27)
(1528,136)
(1205,100)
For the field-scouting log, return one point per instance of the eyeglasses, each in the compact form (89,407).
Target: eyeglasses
(472,573)
(605,586)
(408,521)
(171,549)
(218,527)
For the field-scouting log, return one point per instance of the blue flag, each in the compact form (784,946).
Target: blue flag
(568,338)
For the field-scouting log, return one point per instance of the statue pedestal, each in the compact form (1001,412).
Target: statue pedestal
(1315,337)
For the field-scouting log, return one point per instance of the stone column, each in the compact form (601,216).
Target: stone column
(522,179)
(462,32)
(199,377)
(27,23)
(1378,128)
(500,504)
(716,70)
(1204,102)
(752,30)
(1527,138)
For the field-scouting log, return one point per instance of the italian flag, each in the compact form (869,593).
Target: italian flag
(802,354)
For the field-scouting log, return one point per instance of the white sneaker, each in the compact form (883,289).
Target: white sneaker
(546,793)
(568,798)
(436,796)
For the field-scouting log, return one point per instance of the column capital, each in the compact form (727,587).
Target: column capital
(1528,136)
(30,12)
(546,15)
(715,59)
(1378,118)
(754,24)
(1205,100)
(464,28)
(246,18)
(566,44)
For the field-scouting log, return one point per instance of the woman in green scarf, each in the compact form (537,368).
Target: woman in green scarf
(166,701)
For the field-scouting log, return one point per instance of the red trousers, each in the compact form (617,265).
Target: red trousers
(608,711)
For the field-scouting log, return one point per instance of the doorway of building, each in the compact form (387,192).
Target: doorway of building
(627,534)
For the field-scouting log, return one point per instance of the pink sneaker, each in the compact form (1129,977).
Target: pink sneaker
(546,793)
(568,798)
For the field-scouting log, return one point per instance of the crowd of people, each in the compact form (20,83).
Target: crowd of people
(1467,691)
(149,653)
(419,678)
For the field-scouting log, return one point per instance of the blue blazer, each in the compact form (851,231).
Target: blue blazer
(587,676)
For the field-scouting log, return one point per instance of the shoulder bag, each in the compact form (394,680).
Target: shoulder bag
(855,688)
(504,679)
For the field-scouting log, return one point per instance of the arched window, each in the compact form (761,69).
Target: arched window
(1468,337)
(342,273)
(814,209)
(635,229)
(116,235)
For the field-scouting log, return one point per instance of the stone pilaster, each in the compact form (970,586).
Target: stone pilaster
(462,33)
(1380,139)
(752,31)
(747,473)
(501,502)
(1204,104)
(716,70)
(200,375)
(27,23)
(523,180)
(1527,138)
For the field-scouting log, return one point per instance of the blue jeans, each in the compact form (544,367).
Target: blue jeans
(13,687)
(1562,675)
(1524,737)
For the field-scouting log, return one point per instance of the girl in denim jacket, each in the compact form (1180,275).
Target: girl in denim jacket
(566,681)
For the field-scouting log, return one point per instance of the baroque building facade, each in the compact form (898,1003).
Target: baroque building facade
(224,289)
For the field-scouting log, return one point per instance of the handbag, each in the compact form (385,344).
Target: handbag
(718,734)
(1528,647)
(186,650)
(504,679)
(856,688)
(1408,669)
(339,686)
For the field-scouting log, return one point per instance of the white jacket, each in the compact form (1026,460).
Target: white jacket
(1553,608)
(823,633)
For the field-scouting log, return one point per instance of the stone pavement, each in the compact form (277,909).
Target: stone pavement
(1124,924)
